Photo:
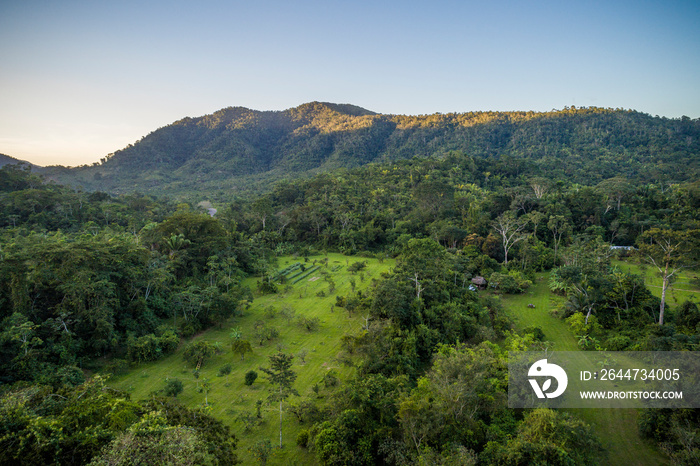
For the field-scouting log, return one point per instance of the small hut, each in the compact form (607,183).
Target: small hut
(479,282)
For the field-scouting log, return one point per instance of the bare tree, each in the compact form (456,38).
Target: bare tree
(539,186)
(511,230)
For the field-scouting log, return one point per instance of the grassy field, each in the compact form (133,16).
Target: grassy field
(617,428)
(229,397)
(683,289)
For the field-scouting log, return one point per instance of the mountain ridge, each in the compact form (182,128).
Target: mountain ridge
(7,160)
(236,150)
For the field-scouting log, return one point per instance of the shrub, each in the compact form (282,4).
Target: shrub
(311,324)
(357,266)
(66,376)
(617,343)
(266,286)
(688,315)
(261,451)
(536,332)
(173,387)
(199,351)
(264,333)
(330,379)
(224,370)
(513,282)
(504,283)
(169,341)
(270,312)
(250,377)
(287,312)
(116,367)
(303,438)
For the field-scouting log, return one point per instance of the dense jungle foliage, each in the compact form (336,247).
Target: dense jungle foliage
(95,283)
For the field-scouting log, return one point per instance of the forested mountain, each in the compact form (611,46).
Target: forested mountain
(238,150)
(6,160)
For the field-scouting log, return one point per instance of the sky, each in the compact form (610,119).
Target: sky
(81,79)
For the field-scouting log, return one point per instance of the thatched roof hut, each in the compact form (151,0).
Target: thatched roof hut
(479,282)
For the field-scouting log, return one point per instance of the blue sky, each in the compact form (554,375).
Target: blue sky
(81,79)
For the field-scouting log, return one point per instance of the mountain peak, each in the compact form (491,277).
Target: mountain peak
(343,109)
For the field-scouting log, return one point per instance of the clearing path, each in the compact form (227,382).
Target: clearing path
(616,428)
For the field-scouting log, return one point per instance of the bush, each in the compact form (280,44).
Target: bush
(578,326)
(261,451)
(357,266)
(169,341)
(70,376)
(224,370)
(270,312)
(618,343)
(310,324)
(264,333)
(330,379)
(199,351)
(303,438)
(173,387)
(266,286)
(688,315)
(287,312)
(513,282)
(250,377)
(536,332)
(505,283)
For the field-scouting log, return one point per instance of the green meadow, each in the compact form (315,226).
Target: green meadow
(616,428)
(229,399)
(685,286)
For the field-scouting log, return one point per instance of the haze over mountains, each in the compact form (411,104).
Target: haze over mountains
(237,150)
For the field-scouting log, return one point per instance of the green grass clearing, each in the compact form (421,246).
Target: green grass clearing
(229,397)
(685,287)
(616,428)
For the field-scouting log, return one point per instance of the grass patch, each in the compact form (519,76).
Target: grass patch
(685,288)
(230,400)
(616,428)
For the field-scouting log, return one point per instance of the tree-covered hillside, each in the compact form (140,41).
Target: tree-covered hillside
(93,282)
(237,150)
(7,160)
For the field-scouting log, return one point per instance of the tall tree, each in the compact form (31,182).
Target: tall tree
(511,230)
(669,251)
(614,189)
(539,186)
(281,376)
(560,227)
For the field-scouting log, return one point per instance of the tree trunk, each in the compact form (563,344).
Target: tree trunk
(280,424)
(663,298)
